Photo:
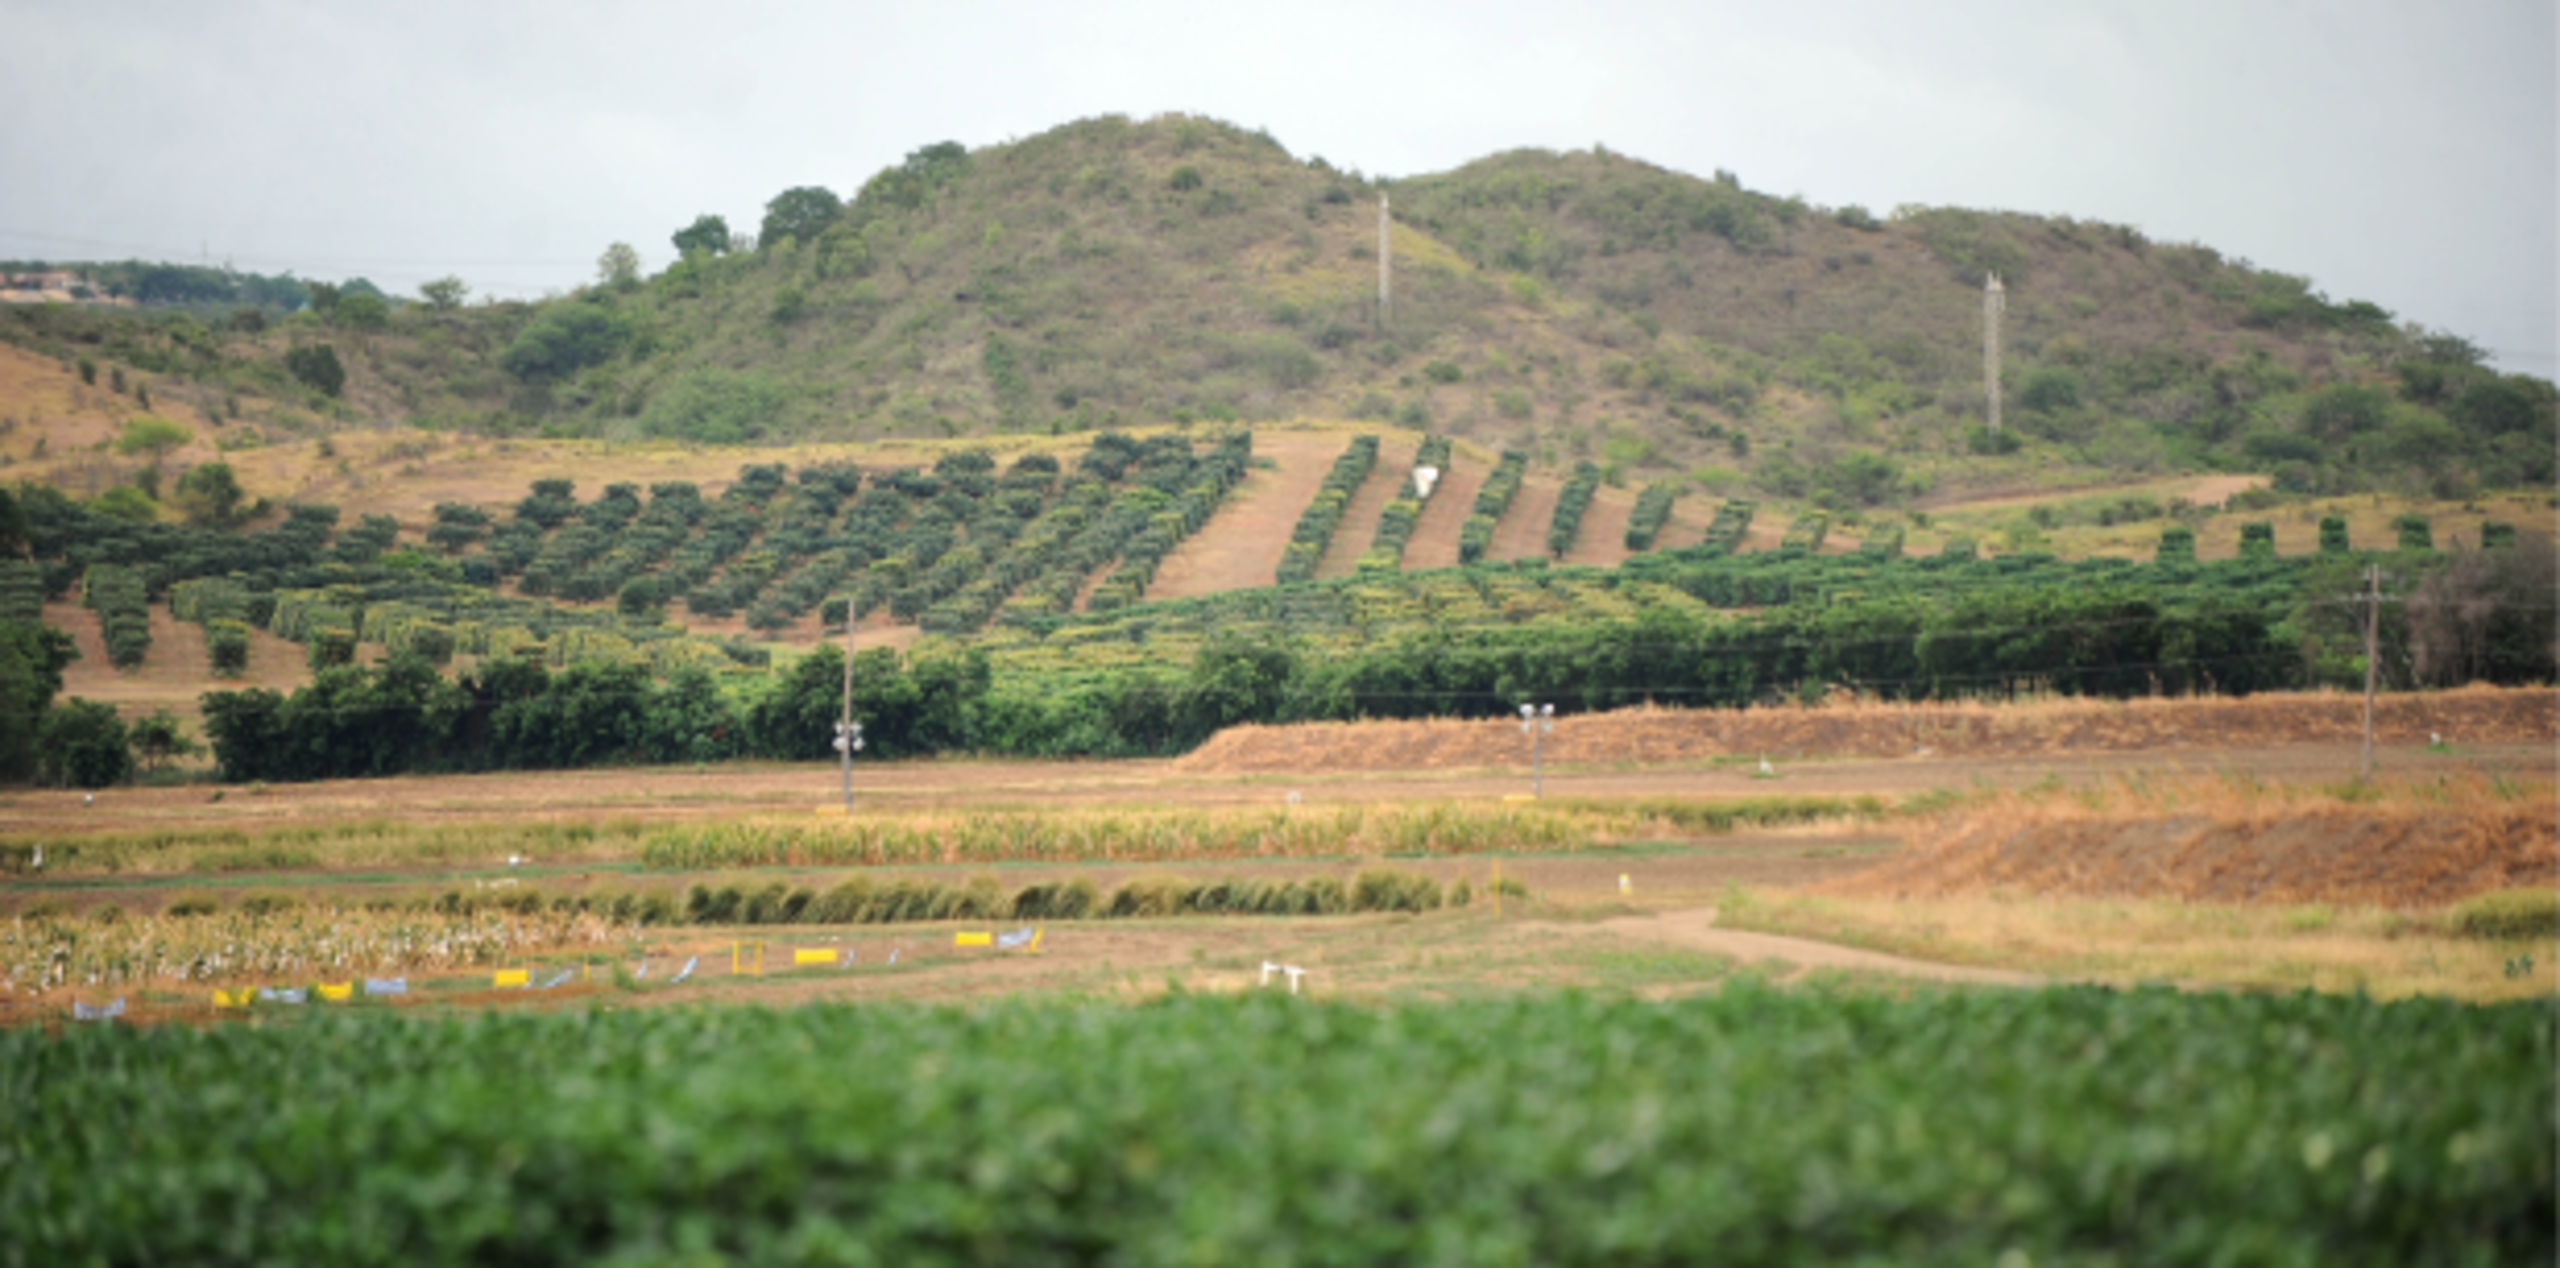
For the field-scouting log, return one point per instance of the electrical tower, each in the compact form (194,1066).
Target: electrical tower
(1383,257)
(1994,303)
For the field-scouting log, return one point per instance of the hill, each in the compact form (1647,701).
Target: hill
(1587,305)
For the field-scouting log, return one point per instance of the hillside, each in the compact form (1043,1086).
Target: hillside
(1110,273)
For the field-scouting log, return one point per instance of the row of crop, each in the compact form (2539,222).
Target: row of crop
(1160,836)
(41,956)
(1031,555)
(1476,535)
(1731,524)
(1316,525)
(1807,533)
(117,595)
(1511,1125)
(1571,504)
(21,591)
(1403,511)
(1883,541)
(1653,510)
(1214,475)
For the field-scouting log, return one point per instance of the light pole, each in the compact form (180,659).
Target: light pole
(848,743)
(1536,721)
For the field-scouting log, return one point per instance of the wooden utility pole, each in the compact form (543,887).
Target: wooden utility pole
(1385,250)
(2372,642)
(1995,303)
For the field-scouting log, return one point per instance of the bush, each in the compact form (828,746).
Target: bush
(84,744)
(226,645)
(318,368)
(1571,504)
(186,905)
(2508,915)
(1653,510)
(1383,890)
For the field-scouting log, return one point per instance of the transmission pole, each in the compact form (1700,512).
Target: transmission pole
(844,728)
(2372,641)
(1384,256)
(1994,303)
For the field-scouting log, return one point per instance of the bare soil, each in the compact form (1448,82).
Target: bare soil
(1241,545)
(1603,540)
(1521,533)
(1695,928)
(1434,543)
(1358,529)
(2469,716)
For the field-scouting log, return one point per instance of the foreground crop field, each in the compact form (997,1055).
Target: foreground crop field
(1752,1126)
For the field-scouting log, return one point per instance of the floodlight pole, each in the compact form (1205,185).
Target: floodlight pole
(844,726)
(1535,722)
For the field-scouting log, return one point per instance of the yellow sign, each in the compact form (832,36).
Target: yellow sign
(338,994)
(512,977)
(973,939)
(1517,799)
(234,999)
(814,955)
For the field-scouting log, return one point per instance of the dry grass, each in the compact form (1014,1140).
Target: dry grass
(2311,946)
(1849,726)
(2404,844)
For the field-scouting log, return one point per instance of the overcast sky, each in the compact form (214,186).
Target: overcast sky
(2402,153)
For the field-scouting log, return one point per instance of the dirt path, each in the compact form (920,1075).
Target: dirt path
(1435,535)
(1603,540)
(1242,543)
(1522,531)
(1695,929)
(1359,526)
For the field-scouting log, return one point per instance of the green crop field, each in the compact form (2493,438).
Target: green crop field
(1751,1126)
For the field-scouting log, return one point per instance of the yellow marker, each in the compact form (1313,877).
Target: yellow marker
(1624,887)
(973,939)
(338,994)
(1517,799)
(512,977)
(814,955)
(1034,948)
(233,999)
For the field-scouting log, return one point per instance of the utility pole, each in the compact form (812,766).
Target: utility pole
(848,736)
(2372,641)
(1536,722)
(1385,250)
(1995,302)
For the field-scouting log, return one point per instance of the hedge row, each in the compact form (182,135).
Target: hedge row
(1653,510)
(1579,489)
(1476,535)
(117,595)
(1316,525)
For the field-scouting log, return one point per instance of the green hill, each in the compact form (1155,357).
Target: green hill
(1575,306)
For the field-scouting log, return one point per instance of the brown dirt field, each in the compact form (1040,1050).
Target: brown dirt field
(1359,527)
(2469,716)
(1434,543)
(1521,533)
(2356,855)
(1695,929)
(1603,541)
(1241,545)
(175,673)
(46,402)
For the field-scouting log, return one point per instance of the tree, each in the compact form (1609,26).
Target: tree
(13,528)
(317,366)
(83,743)
(155,436)
(802,212)
(159,740)
(444,294)
(32,657)
(324,299)
(619,267)
(565,339)
(708,234)
(363,311)
(127,503)
(210,494)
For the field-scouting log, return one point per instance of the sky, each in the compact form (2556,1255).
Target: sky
(2403,153)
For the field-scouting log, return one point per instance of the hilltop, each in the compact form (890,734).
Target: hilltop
(1575,306)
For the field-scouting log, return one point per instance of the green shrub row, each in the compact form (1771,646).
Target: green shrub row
(123,606)
(1807,533)
(1218,473)
(1731,524)
(1476,535)
(1396,521)
(1883,542)
(1571,505)
(1316,525)
(1653,510)
(21,591)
